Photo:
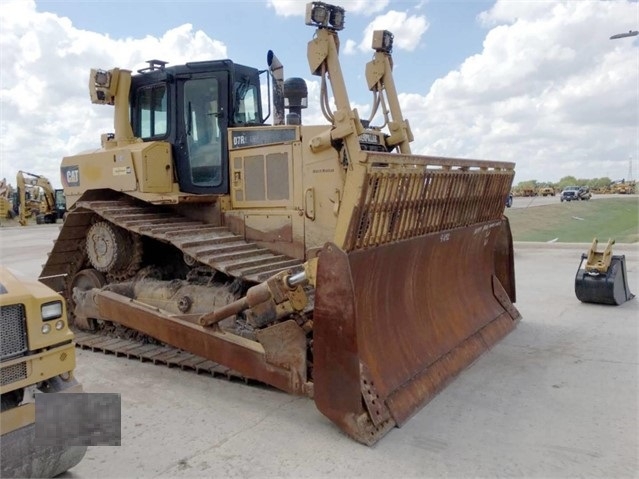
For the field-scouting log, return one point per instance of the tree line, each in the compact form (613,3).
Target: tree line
(592,183)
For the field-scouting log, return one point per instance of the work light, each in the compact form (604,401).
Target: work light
(323,15)
(383,41)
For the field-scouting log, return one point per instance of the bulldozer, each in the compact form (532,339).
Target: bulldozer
(623,187)
(36,196)
(37,357)
(327,261)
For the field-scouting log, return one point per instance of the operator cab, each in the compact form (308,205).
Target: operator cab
(191,106)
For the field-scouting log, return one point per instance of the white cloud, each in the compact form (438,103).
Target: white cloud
(350,47)
(366,7)
(407,30)
(287,8)
(510,12)
(549,91)
(45,110)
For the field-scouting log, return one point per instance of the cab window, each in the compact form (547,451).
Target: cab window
(152,106)
(246,104)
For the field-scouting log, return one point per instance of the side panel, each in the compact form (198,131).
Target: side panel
(141,167)
(154,162)
(262,177)
(265,189)
(99,169)
(323,176)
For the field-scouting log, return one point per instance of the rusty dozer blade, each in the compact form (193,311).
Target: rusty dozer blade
(601,277)
(394,324)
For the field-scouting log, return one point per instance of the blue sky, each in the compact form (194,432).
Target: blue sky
(536,82)
(250,28)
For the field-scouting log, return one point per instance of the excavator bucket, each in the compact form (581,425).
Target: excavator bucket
(602,277)
(395,321)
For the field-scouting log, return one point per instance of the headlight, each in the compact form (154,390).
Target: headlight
(59,324)
(51,311)
(46,327)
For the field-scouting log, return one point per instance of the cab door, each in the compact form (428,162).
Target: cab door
(201,146)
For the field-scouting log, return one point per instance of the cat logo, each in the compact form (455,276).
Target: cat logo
(70,175)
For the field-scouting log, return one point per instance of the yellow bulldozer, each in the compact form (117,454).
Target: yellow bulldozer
(326,261)
(623,187)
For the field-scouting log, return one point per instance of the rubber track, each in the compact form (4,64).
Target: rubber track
(215,246)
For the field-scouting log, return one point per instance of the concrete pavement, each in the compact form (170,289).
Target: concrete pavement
(558,397)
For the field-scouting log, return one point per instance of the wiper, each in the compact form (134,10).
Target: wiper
(189,121)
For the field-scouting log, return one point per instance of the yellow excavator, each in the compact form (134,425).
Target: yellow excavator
(37,196)
(7,193)
(324,260)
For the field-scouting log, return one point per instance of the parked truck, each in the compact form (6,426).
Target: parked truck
(37,357)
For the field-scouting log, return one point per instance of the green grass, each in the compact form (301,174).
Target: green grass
(578,221)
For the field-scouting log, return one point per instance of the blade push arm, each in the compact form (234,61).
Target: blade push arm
(279,296)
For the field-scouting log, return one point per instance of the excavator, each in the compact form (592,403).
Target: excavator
(327,261)
(7,193)
(35,194)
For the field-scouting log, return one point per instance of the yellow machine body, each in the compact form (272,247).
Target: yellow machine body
(330,262)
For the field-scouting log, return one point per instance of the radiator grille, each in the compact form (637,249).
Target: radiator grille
(404,200)
(13,340)
(13,373)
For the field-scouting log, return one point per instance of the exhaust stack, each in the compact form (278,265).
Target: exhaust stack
(277,70)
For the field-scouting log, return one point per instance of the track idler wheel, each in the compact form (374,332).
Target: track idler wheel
(83,280)
(113,250)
